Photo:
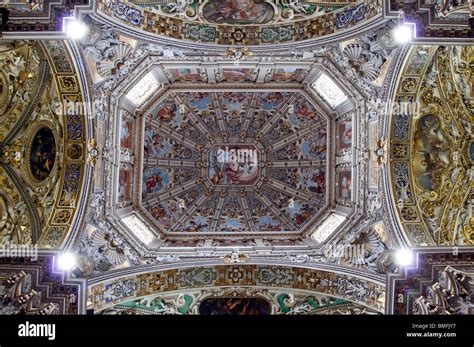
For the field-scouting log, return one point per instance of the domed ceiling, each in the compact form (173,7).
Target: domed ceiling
(254,156)
(202,149)
(234,162)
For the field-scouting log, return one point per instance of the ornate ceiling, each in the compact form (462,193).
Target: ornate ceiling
(41,144)
(241,22)
(233,155)
(233,162)
(209,157)
(431,146)
(235,147)
(249,22)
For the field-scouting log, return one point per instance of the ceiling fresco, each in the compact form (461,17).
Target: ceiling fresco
(245,21)
(251,161)
(431,146)
(246,12)
(41,143)
(254,157)
(203,151)
(248,22)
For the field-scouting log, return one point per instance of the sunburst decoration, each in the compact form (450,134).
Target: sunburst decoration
(359,63)
(369,248)
(111,248)
(116,57)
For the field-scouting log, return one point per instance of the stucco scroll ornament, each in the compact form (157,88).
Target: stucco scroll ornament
(12,64)
(381,151)
(108,40)
(293,305)
(235,257)
(96,211)
(374,207)
(296,5)
(6,223)
(13,221)
(93,151)
(303,258)
(179,6)
(160,306)
(168,258)
(238,54)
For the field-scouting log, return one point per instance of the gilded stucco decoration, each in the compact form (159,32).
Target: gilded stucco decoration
(42,139)
(238,301)
(246,22)
(105,294)
(430,148)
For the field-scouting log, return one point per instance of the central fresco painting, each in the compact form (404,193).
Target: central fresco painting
(230,162)
(238,12)
(233,164)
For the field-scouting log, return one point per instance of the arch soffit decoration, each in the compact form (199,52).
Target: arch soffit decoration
(188,22)
(430,166)
(46,181)
(107,291)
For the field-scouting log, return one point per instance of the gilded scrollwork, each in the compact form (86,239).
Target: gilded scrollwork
(37,125)
(20,68)
(246,22)
(14,221)
(437,124)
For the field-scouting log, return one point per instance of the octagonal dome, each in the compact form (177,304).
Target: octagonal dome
(229,151)
(234,162)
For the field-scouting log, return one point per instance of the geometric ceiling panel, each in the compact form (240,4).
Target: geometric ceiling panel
(233,162)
